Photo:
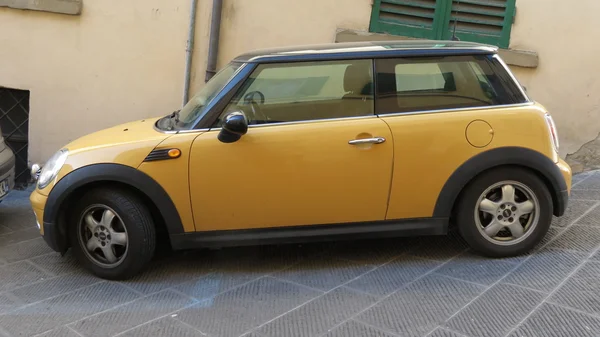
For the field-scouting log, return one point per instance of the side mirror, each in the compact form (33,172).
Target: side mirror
(234,127)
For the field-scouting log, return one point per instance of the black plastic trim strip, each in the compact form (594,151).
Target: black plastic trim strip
(348,231)
(503,156)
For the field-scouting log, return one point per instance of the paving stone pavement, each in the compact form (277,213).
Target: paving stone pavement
(427,286)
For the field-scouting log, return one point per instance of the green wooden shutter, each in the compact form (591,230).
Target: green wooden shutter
(415,18)
(484,21)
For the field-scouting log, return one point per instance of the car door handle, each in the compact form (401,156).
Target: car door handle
(374,140)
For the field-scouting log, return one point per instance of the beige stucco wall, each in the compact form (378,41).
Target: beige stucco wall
(124,60)
(121,61)
(566,80)
(118,61)
(248,25)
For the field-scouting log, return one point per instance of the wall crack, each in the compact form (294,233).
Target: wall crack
(587,157)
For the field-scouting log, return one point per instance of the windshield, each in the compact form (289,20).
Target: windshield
(197,104)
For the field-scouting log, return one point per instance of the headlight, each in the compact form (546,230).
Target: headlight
(50,170)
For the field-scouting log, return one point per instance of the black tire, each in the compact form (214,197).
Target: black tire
(135,218)
(467,224)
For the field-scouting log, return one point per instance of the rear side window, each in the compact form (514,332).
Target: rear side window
(449,82)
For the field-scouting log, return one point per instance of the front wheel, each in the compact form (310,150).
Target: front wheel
(112,233)
(505,212)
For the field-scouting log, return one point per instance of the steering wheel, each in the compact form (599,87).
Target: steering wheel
(259,116)
(250,96)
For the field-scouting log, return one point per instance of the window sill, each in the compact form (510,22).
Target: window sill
(513,57)
(71,7)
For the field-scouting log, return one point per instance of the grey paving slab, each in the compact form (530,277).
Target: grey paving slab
(229,272)
(8,302)
(53,286)
(393,275)
(252,334)
(19,274)
(582,290)
(5,230)
(546,270)
(246,307)
(419,308)
(592,218)
(595,256)
(585,194)
(476,268)
(16,215)
(320,315)
(575,210)
(581,238)
(553,321)
(61,331)
(24,250)
(272,256)
(591,269)
(552,233)
(324,274)
(164,327)
(167,273)
(578,178)
(19,236)
(57,264)
(441,332)
(132,314)
(496,312)
(373,252)
(356,329)
(214,284)
(440,248)
(591,183)
(66,308)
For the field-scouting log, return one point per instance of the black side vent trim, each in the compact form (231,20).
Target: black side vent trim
(161,154)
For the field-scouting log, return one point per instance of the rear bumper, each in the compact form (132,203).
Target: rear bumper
(562,203)
(562,199)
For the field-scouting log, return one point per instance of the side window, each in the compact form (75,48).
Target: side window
(434,83)
(289,92)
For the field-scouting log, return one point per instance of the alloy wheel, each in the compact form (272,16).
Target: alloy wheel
(103,235)
(507,212)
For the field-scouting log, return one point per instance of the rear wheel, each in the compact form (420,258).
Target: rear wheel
(112,233)
(505,212)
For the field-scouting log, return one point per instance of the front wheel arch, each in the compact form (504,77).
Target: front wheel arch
(77,182)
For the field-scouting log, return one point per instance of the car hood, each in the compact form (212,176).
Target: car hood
(141,131)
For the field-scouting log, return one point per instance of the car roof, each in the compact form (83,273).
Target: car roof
(370,49)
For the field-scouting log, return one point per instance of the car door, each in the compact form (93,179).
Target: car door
(315,153)
(438,109)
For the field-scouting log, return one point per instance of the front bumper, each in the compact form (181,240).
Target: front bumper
(48,229)
(38,202)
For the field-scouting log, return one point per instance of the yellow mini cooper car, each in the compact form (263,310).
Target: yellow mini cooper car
(329,141)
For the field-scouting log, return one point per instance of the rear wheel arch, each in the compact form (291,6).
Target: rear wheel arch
(84,179)
(497,158)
